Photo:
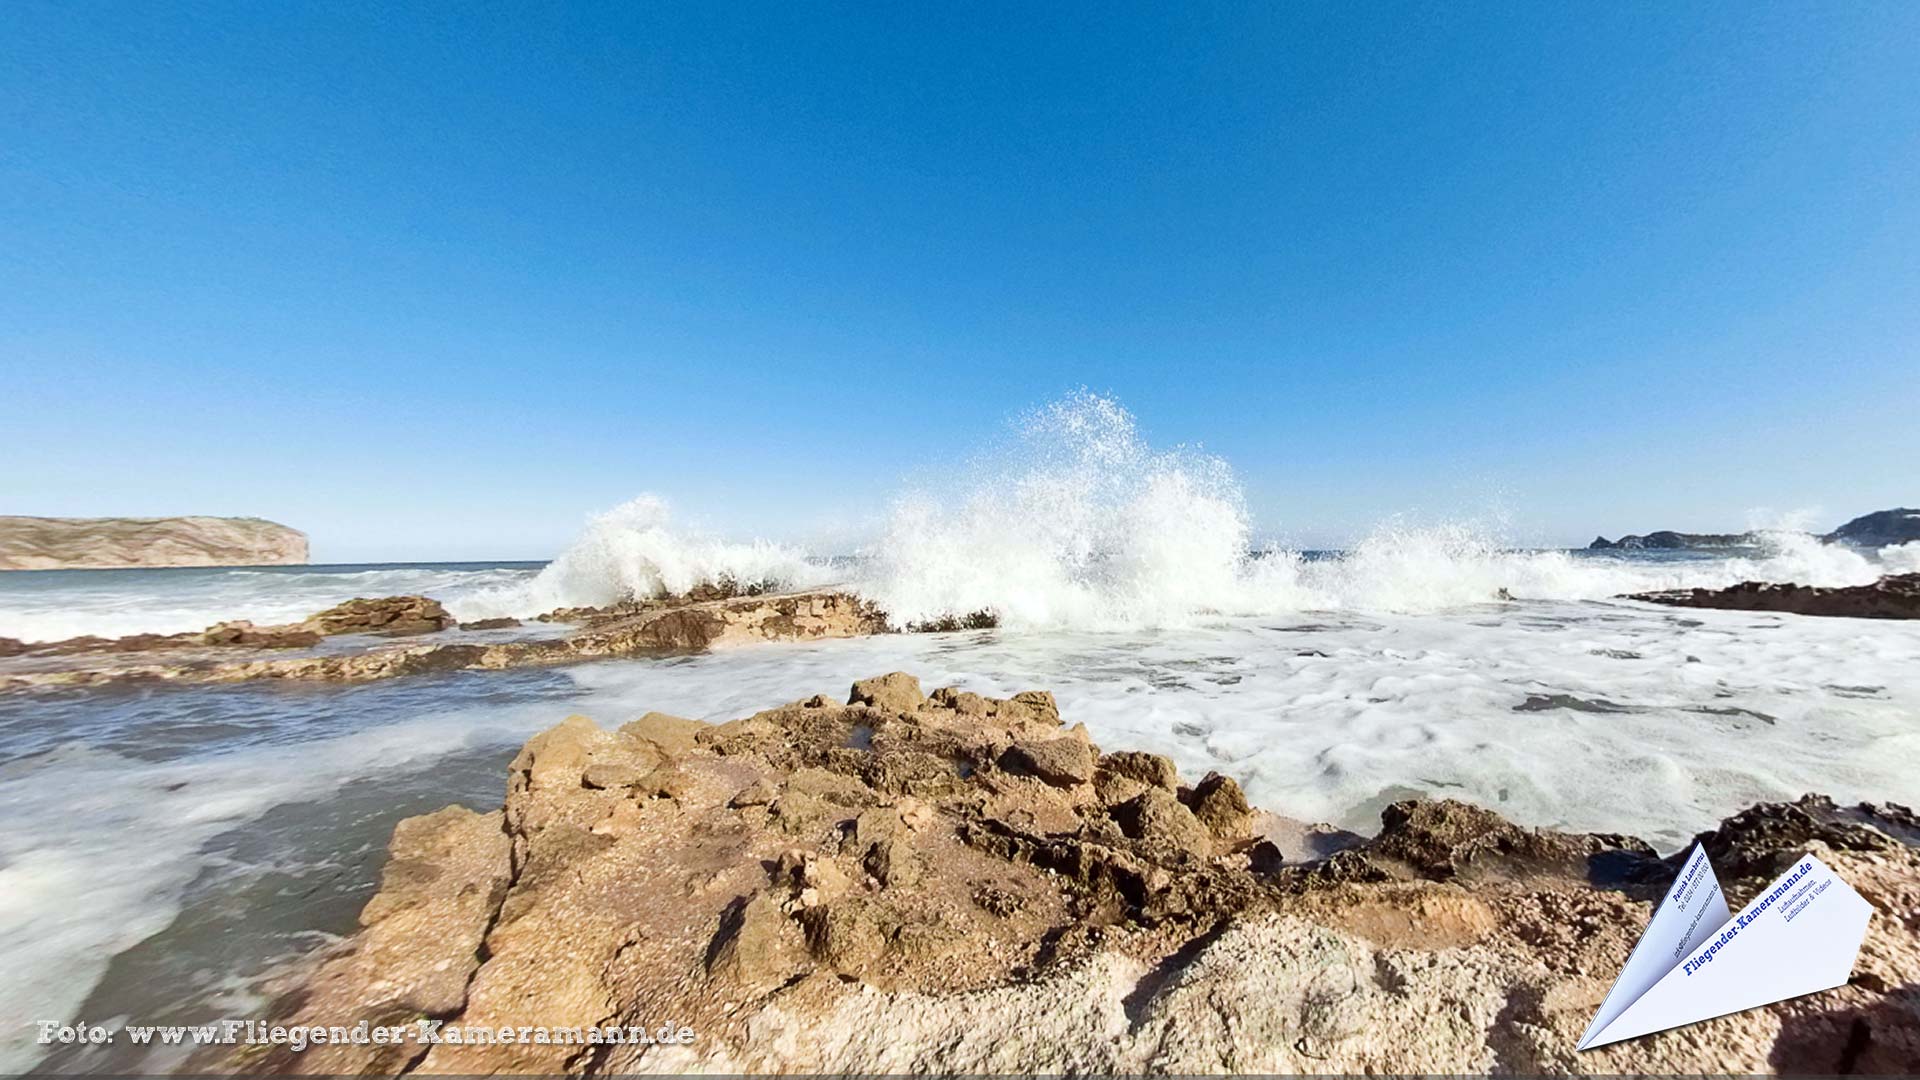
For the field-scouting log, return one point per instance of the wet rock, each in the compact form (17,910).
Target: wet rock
(385,615)
(1445,839)
(1758,841)
(245,634)
(1063,762)
(503,623)
(1896,596)
(895,692)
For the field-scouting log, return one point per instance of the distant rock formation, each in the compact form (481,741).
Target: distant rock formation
(45,543)
(1666,540)
(1901,525)
(1896,596)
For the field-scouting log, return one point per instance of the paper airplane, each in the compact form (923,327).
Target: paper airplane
(1697,960)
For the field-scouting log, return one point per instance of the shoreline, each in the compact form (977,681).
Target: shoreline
(666,627)
(948,882)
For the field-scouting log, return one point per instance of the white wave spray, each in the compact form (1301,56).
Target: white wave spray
(633,552)
(1083,525)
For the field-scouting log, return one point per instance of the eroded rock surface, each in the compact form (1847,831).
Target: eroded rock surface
(911,882)
(1896,596)
(659,627)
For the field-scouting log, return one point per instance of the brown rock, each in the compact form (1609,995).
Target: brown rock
(610,776)
(504,623)
(386,615)
(1062,762)
(891,862)
(672,734)
(964,702)
(847,933)
(895,692)
(756,945)
(759,793)
(1896,596)
(1166,828)
(1221,806)
(1152,770)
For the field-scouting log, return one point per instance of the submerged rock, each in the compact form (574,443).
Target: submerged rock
(868,888)
(1896,596)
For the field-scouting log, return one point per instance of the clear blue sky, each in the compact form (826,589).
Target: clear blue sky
(438,282)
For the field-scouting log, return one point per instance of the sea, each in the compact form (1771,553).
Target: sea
(167,848)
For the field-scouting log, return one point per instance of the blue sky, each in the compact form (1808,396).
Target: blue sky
(438,283)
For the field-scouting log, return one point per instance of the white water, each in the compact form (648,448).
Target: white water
(1125,581)
(1078,525)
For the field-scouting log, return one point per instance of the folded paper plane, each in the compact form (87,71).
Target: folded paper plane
(1697,960)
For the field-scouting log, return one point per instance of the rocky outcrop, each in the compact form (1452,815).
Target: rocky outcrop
(1896,596)
(1665,540)
(206,657)
(386,615)
(1900,525)
(392,616)
(43,543)
(941,883)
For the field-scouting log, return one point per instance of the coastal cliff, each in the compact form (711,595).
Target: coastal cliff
(960,884)
(48,543)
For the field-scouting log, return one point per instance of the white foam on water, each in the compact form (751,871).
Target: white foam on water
(55,605)
(100,847)
(1607,717)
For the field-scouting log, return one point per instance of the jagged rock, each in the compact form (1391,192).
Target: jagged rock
(1896,596)
(1220,805)
(1445,839)
(896,692)
(962,701)
(1156,818)
(756,943)
(651,629)
(1154,770)
(1757,840)
(1062,762)
(671,734)
(386,615)
(982,925)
